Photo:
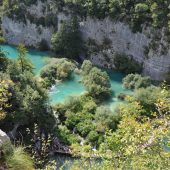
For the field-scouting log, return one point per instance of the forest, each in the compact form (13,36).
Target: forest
(118,119)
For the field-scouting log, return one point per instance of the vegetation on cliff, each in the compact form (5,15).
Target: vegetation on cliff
(136,13)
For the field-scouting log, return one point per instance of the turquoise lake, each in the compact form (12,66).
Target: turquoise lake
(70,87)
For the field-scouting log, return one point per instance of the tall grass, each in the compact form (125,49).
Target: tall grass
(19,160)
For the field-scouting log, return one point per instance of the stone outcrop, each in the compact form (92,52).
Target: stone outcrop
(4,139)
(5,143)
(122,39)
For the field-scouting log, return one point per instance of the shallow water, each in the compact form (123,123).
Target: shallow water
(70,87)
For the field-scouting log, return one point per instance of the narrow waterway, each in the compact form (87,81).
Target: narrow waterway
(70,87)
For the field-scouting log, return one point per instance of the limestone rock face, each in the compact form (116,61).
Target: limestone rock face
(3,138)
(122,39)
(28,34)
(5,144)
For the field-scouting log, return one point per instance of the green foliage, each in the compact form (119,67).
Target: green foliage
(3,61)
(138,137)
(106,119)
(135,13)
(68,42)
(96,82)
(2,40)
(126,64)
(4,98)
(19,159)
(27,99)
(136,81)
(59,69)
(148,97)
(77,117)
(65,135)
(86,67)
(24,63)
(40,148)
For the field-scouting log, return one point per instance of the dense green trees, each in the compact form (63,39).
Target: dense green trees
(136,81)
(80,120)
(96,81)
(23,102)
(58,69)
(105,119)
(24,63)
(77,114)
(4,98)
(138,137)
(126,64)
(154,13)
(3,61)
(136,13)
(67,42)
(28,101)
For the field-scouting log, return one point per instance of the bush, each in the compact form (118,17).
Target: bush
(136,81)
(93,136)
(126,64)
(86,67)
(3,61)
(147,97)
(19,159)
(60,69)
(97,82)
(2,40)
(106,119)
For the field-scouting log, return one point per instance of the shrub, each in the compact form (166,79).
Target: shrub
(59,69)
(19,159)
(86,67)
(121,96)
(106,119)
(2,40)
(93,136)
(97,82)
(136,81)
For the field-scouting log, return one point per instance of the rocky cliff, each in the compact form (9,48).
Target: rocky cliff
(121,39)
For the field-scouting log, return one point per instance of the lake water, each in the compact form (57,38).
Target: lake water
(70,87)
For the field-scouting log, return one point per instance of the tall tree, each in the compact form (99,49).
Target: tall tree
(22,59)
(67,41)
